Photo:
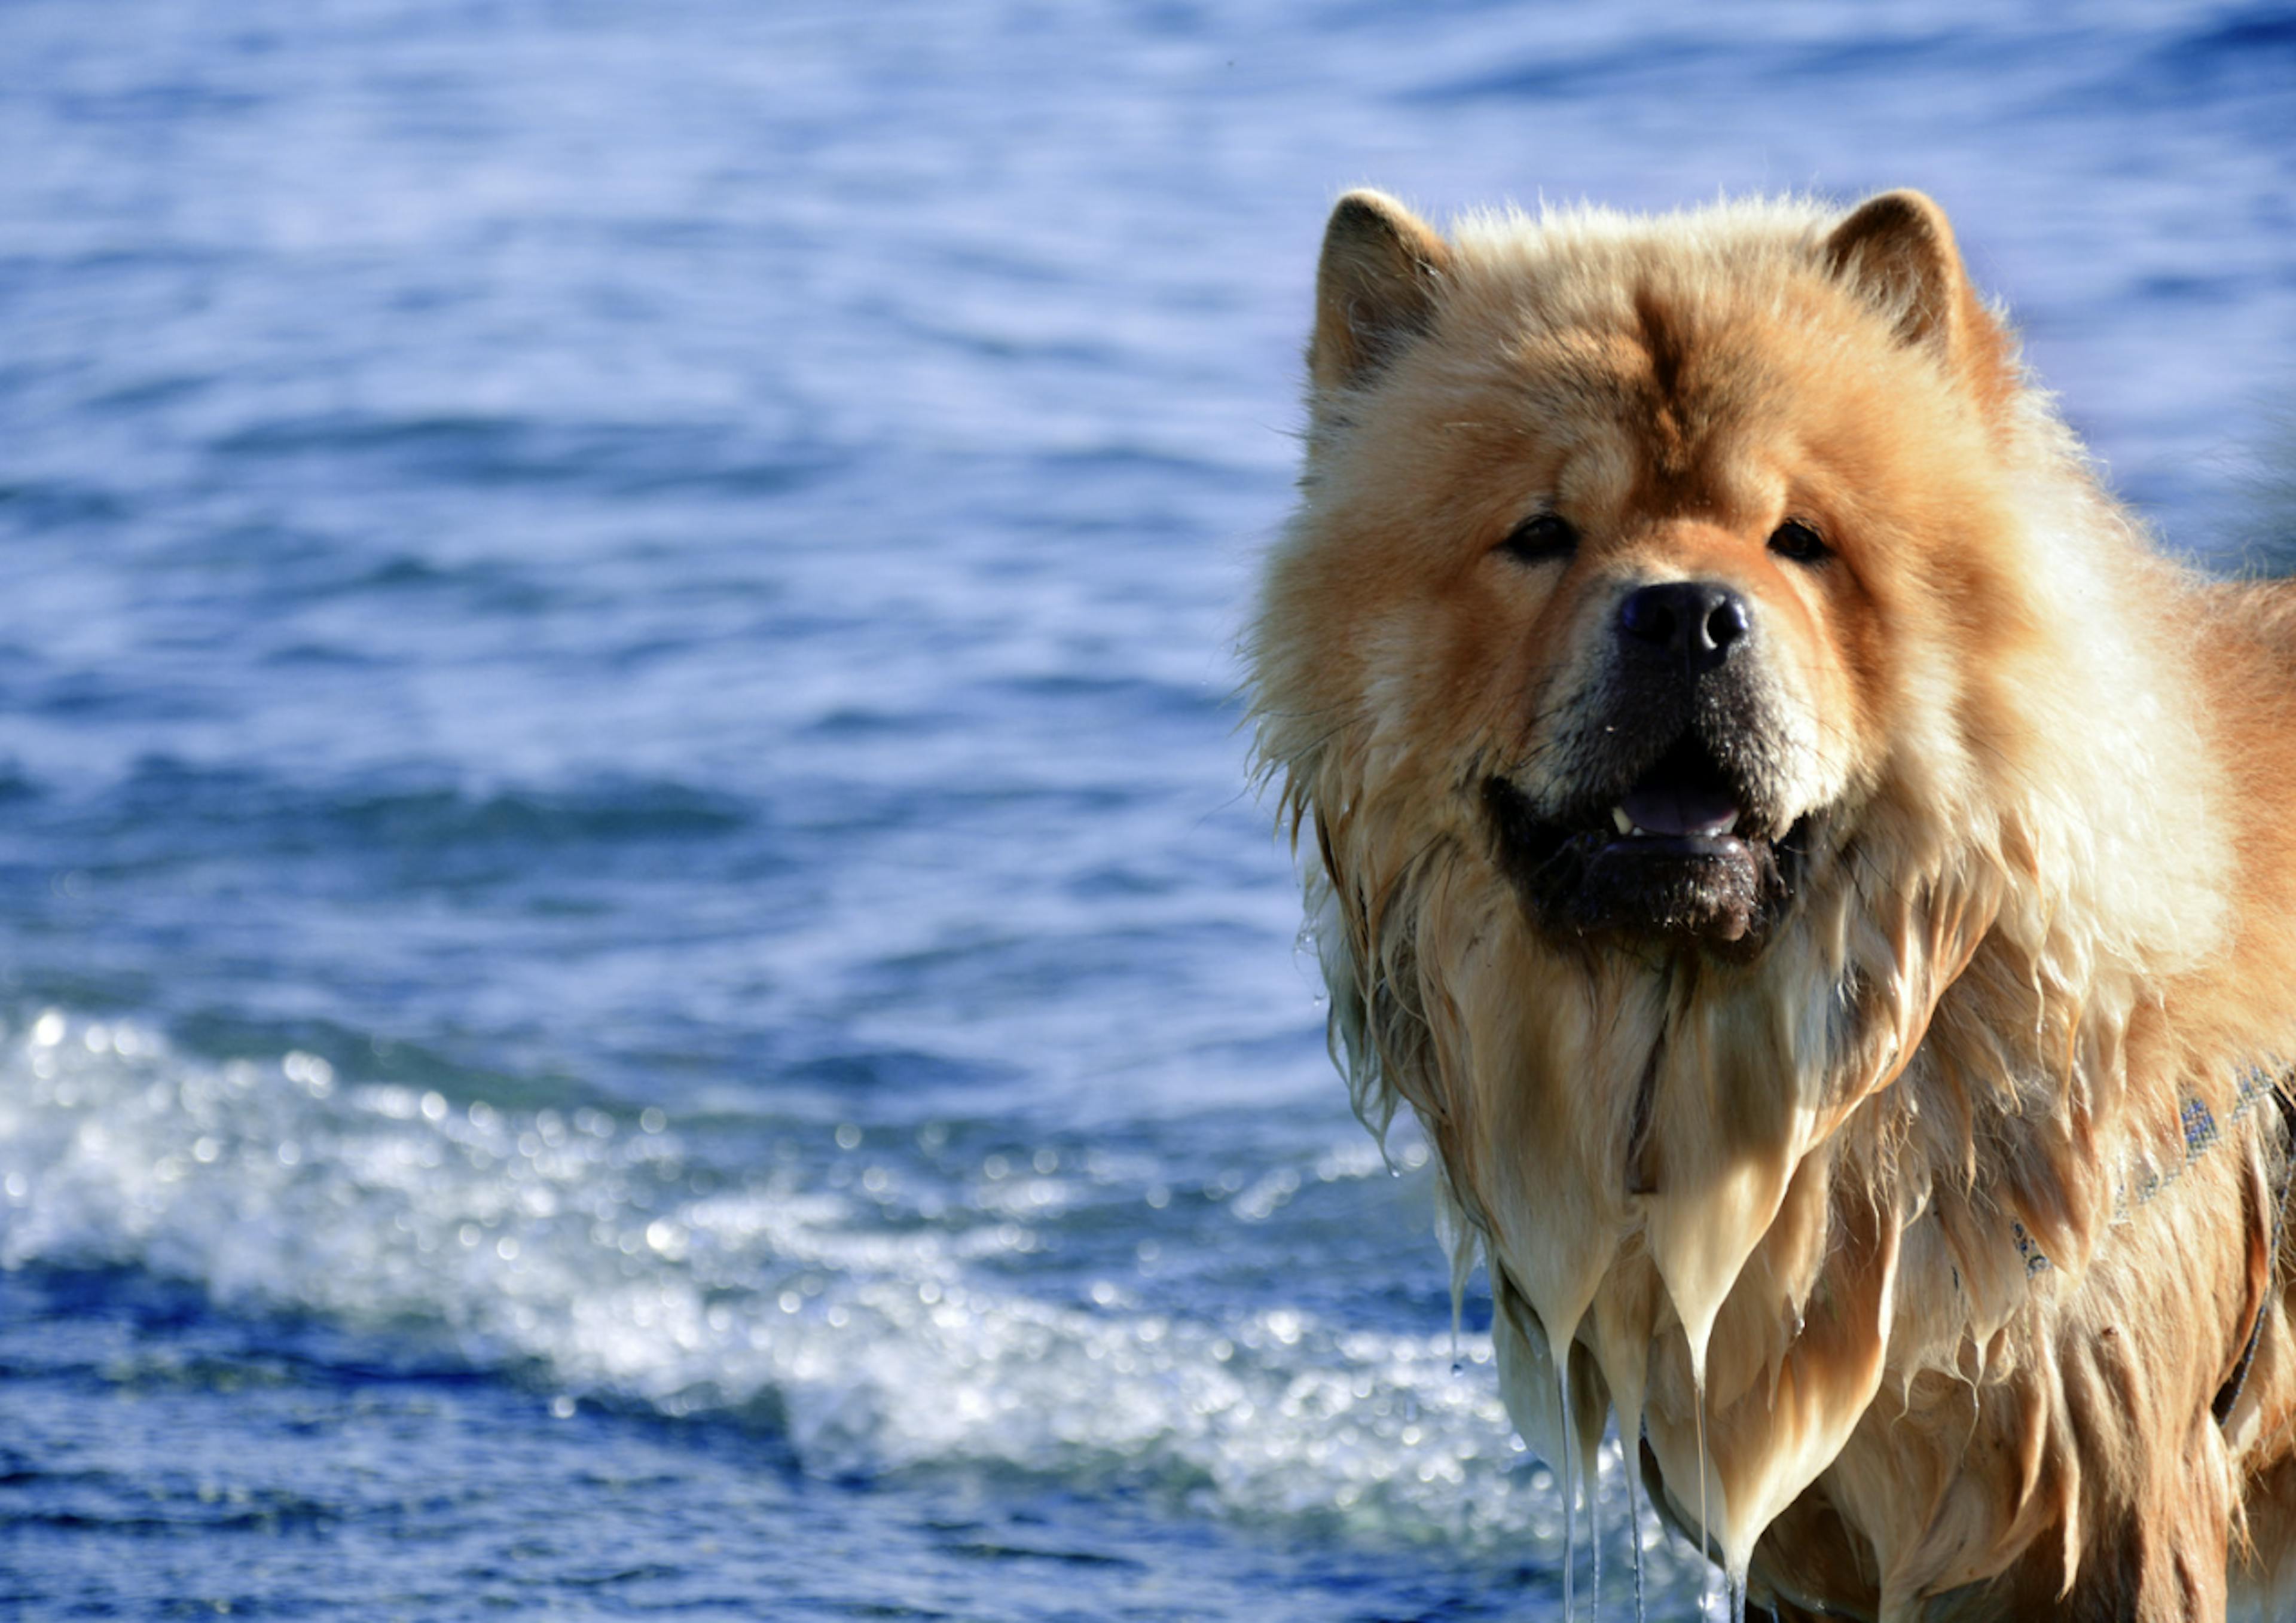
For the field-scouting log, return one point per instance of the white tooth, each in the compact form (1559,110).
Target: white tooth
(1639,831)
(1619,815)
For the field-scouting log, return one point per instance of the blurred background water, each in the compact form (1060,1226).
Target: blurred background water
(634,973)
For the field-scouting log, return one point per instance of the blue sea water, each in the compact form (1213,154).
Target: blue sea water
(636,975)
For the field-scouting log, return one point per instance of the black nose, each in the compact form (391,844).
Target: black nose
(1696,622)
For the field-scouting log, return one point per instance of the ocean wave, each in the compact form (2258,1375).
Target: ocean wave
(881,1324)
(376,812)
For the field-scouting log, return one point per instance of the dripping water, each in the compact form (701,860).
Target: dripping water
(1594,1537)
(1705,1532)
(1458,1238)
(1570,1488)
(1633,1474)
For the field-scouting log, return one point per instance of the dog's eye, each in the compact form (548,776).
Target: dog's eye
(1798,541)
(1541,536)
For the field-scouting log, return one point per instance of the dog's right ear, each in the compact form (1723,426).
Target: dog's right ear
(1375,287)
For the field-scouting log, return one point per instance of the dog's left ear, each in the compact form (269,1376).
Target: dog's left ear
(1375,287)
(1897,252)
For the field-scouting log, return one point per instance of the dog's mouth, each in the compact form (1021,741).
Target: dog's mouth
(1684,851)
(1685,796)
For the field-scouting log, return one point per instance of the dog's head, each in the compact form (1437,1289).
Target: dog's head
(1655,550)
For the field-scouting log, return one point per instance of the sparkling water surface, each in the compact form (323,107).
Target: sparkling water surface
(636,976)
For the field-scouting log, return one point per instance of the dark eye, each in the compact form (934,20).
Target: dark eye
(1798,541)
(1541,536)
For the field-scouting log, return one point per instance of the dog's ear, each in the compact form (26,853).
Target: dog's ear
(1375,287)
(1897,251)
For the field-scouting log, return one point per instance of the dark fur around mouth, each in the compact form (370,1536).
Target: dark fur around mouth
(1583,876)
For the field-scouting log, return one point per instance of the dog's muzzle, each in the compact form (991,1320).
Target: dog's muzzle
(1665,821)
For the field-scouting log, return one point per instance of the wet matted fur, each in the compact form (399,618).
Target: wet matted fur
(1824,882)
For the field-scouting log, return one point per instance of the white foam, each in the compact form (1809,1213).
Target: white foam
(575,1249)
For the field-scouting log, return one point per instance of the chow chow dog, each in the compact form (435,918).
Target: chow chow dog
(1825,884)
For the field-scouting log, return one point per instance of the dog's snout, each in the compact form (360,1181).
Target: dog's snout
(1692,623)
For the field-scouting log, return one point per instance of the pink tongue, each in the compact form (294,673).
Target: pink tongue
(1680,811)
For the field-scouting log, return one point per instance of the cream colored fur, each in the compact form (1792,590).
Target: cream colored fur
(2047,905)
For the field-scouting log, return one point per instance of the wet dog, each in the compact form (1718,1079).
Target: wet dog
(1822,881)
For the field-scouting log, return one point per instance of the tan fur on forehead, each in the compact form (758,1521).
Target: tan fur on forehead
(1685,292)
(2051,906)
